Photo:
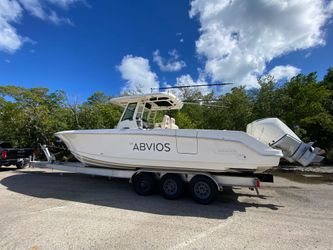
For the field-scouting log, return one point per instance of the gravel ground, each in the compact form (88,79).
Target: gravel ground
(46,210)
(310,169)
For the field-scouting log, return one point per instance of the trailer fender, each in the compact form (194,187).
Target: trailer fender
(182,175)
(157,176)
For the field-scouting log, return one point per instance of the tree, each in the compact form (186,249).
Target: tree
(265,98)
(231,111)
(98,112)
(328,84)
(300,97)
(328,79)
(33,115)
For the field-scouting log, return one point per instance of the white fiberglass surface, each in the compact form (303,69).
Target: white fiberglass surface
(162,149)
(269,130)
(223,135)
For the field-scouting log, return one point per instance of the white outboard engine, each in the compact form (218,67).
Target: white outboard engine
(276,134)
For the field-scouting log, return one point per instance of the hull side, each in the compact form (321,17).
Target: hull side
(199,150)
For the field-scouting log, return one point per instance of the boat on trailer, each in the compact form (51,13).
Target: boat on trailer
(138,142)
(147,153)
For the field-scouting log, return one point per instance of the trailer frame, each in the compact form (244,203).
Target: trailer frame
(221,180)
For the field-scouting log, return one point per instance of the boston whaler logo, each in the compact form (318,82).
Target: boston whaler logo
(145,146)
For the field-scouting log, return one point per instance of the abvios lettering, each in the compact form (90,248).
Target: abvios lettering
(144,146)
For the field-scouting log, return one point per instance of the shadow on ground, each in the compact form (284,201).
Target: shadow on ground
(118,193)
(10,168)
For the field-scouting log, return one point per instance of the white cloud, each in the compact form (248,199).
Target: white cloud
(238,38)
(172,64)
(11,12)
(187,80)
(54,18)
(34,8)
(284,72)
(40,10)
(330,6)
(138,75)
(66,3)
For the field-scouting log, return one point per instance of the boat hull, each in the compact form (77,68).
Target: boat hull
(187,150)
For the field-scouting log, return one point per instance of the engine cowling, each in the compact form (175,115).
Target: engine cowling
(276,134)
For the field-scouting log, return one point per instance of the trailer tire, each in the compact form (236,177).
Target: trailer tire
(171,186)
(22,164)
(203,189)
(144,183)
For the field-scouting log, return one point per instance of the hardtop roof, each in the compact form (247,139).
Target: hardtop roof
(158,101)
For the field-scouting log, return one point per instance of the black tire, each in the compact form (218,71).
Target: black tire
(22,164)
(144,183)
(171,186)
(203,189)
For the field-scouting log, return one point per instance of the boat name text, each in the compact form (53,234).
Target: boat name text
(151,147)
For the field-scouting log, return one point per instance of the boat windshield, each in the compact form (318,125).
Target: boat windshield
(141,111)
(145,115)
(128,114)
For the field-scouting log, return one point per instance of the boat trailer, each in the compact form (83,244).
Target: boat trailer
(203,186)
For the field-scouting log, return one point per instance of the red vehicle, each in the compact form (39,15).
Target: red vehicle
(20,157)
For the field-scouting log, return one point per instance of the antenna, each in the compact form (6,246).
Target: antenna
(203,104)
(193,86)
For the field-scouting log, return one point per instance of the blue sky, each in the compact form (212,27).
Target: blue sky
(110,46)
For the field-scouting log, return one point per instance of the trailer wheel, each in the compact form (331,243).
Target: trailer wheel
(171,186)
(203,189)
(22,164)
(144,183)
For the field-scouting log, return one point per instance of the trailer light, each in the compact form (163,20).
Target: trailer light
(257,184)
(4,154)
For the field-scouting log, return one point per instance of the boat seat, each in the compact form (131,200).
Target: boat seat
(166,123)
(173,124)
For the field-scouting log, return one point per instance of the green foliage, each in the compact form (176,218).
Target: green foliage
(184,121)
(98,112)
(265,98)
(32,116)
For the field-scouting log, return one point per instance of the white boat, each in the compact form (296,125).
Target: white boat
(138,142)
